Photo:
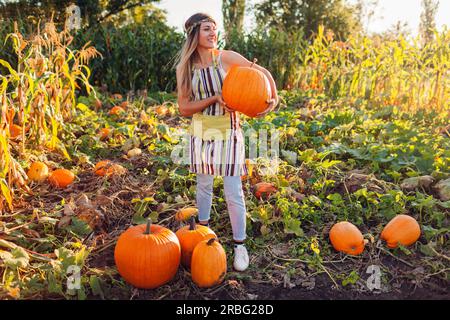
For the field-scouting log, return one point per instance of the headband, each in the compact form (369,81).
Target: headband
(196,24)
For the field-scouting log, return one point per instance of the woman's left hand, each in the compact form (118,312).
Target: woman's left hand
(271,105)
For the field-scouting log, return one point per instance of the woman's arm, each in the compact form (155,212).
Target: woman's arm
(187,107)
(230,58)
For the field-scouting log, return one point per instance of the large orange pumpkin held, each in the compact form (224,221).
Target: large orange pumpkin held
(247,90)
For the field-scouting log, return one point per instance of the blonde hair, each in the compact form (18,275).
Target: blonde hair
(188,52)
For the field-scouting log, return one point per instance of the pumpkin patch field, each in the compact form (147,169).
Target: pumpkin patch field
(355,205)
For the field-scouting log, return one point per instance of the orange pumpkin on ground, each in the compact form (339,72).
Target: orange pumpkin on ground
(189,236)
(402,229)
(247,90)
(117,110)
(104,133)
(135,152)
(185,213)
(161,110)
(61,178)
(346,237)
(147,256)
(38,171)
(209,263)
(108,168)
(102,166)
(263,190)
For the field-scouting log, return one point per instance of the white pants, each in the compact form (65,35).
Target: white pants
(234,197)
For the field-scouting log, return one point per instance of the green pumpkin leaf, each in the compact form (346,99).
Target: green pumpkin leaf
(335,198)
(154,215)
(96,286)
(328,164)
(426,249)
(66,257)
(352,278)
(293,226)
(53,285)
(18,258)
(138,219)
(81,293)
(79,227)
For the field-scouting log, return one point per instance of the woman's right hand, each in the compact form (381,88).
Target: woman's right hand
(222,102)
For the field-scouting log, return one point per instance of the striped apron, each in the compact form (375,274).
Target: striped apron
(217,157)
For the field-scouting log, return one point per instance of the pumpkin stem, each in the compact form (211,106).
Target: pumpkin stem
(147,228)
(254,61)
(192,223)
(210,241)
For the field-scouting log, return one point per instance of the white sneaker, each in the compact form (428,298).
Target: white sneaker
(241,260)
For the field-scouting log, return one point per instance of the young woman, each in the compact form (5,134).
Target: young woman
(201,69)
